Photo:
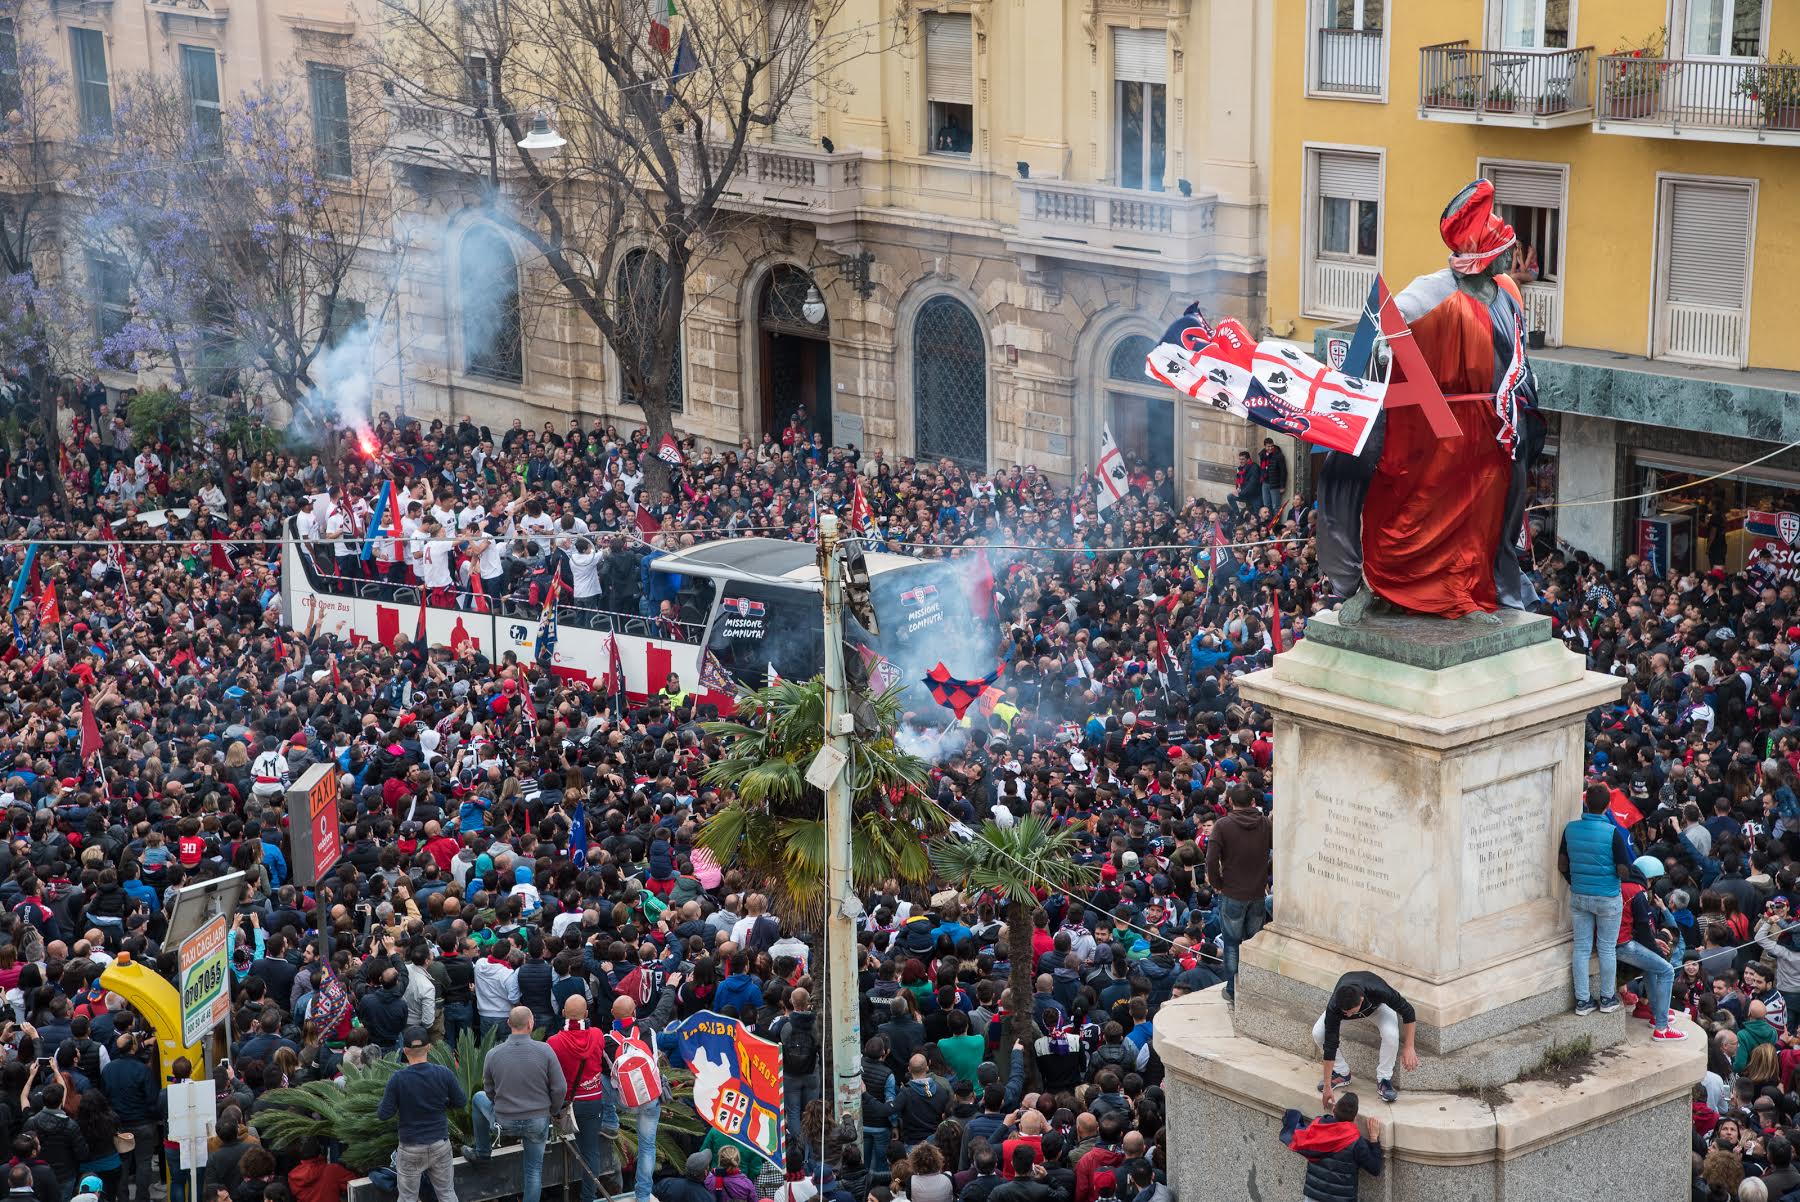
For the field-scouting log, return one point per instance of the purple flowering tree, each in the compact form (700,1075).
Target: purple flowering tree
(247,261)
(40,331)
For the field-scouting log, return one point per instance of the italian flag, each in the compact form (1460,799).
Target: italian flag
(659,25)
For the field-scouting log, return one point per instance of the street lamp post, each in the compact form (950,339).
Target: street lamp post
(841,903)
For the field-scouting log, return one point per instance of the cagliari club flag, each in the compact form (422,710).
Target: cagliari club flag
(1268,383)
(737,1080)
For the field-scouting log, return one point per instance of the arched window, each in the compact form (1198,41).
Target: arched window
(638,291)
(1139,411)
(949,384)
(487,293)
(1127,361)
(784,302)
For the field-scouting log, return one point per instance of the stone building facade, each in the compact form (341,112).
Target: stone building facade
(988,287)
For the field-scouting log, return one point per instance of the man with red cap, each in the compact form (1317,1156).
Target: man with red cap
(1439,517)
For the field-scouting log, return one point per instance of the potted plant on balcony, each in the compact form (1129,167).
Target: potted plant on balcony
(1501,98)
(1773,85)
(1456,94)
(1633,80)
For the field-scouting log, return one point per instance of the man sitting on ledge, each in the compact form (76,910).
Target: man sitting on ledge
(1335,1150)
(1359,995)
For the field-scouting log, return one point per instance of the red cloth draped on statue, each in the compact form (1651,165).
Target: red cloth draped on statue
(1431,522)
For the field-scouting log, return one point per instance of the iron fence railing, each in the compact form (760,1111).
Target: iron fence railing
(1699,93)
(1349,61)
(1456,77)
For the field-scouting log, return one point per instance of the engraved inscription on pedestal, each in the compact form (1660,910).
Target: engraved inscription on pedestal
(1506,843)
(1354,852)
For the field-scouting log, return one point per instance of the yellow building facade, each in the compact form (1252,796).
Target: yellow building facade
(1647,154)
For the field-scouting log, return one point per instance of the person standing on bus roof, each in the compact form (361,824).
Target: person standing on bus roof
(584,570)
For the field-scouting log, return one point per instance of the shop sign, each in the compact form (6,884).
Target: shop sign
(1653,538)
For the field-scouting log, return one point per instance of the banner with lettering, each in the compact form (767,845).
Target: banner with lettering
(737,1080)
(1777,536)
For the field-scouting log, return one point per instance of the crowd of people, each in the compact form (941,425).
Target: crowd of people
(152,600)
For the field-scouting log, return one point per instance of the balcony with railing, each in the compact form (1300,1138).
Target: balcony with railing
(1349,62)
(1706,100)
(1528,89)
(1118,227)
(819,186)
(1339,287)
(428,136)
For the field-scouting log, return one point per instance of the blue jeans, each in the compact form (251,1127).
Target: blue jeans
(486,1023)
(535,1132)
(647,1116)
(1595,920)
(458,1017)
(178,1175)
(797,1091)
(1238,922)
(875,1149)
(1660,974)
(587,1142)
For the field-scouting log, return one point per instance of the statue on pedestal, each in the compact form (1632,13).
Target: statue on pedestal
(1422,492)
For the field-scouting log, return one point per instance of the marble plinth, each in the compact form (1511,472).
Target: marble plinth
(1617,1128)
(1416,827)
(1424,771)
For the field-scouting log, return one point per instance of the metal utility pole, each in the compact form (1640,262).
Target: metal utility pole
(841,903)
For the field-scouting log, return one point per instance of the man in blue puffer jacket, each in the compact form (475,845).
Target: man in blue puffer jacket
(1594,858)
(1336,1150)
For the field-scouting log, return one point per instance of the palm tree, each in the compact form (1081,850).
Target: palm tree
(1015,862)
(773,822)
(344,1111)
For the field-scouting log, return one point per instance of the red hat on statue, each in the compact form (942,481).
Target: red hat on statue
(1472,230)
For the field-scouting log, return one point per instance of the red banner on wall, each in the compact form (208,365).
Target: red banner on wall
(1777,537)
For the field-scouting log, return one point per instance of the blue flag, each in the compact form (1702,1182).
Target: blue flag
(578,832)
(737,1080)
(381,504)
(686,61)
(23,577)
(545,650)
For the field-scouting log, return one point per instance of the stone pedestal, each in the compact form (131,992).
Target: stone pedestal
(1424,772)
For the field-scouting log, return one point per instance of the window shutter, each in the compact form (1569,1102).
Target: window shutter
(1349,176)
(1709,244)
(949,58)
(788,21)
(1140,56)
(200,72)
(94,88)
(1534,187)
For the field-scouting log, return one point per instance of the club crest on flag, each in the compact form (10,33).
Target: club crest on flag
(737,1081)
(918,595)
(1788,526)
(742,606)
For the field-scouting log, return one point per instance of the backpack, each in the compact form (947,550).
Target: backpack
(634,1071)
(799,1048)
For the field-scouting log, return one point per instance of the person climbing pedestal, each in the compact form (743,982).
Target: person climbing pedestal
(1428,768)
